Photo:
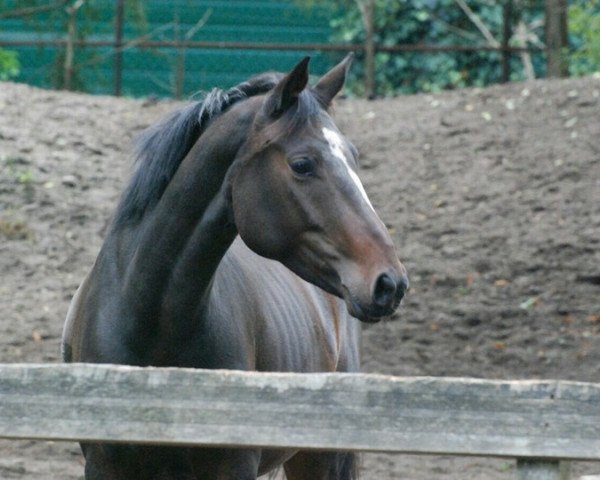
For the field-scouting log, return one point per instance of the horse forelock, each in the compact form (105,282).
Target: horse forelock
(306,111)
(308,108)
(162,147)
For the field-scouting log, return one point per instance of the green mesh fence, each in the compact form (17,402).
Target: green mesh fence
(167,71)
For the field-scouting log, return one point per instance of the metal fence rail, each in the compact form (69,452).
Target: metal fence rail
(504,50)
(326,47)
(538,422)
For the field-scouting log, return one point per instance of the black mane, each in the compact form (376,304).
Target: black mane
(163,146)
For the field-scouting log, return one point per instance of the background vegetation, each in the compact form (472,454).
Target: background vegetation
(443,22)
(584,30)
(9,64)
(432,22)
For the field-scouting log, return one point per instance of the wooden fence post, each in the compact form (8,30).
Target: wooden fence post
(533,469)
(118,64)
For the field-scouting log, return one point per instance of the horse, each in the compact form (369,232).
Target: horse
(245,240)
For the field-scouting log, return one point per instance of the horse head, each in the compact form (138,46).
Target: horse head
(297,198)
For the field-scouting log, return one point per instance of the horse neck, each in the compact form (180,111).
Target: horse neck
(183,239)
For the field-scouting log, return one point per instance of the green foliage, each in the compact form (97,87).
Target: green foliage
(20,175)
(9,64)
(431,22)
(584,33)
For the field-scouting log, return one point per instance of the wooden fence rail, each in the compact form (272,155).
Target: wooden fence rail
(537,422)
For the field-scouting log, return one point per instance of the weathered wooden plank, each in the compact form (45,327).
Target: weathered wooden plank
(541,419)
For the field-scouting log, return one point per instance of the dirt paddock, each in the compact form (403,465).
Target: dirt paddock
(492,196)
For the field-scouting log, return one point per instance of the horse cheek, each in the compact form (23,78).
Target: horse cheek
(257,212)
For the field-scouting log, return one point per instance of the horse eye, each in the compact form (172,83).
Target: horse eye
(304,167)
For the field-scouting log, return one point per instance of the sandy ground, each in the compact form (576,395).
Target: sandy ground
(492,196)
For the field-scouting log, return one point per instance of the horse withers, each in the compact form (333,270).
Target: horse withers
(245,240)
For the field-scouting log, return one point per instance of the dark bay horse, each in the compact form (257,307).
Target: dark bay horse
(245,240)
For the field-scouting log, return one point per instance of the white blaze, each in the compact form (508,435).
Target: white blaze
(335,144)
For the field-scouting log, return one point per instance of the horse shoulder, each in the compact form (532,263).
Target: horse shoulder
(96,319)
(71,336)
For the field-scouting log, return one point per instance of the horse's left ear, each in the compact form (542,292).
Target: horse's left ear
(287,91)
(332,82)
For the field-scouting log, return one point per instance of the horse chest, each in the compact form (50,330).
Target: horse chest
(276,321)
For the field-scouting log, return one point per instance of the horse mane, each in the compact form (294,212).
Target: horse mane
(162,147)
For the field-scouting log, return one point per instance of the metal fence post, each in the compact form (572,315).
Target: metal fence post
(507,17)
(118,64)
(367,10)
(557,37)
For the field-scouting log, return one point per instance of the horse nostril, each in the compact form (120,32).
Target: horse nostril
(385,291)
(403,286)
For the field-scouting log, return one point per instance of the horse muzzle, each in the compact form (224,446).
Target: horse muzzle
(386,294)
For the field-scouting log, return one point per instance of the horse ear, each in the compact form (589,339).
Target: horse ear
(286,93)
(332,82)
